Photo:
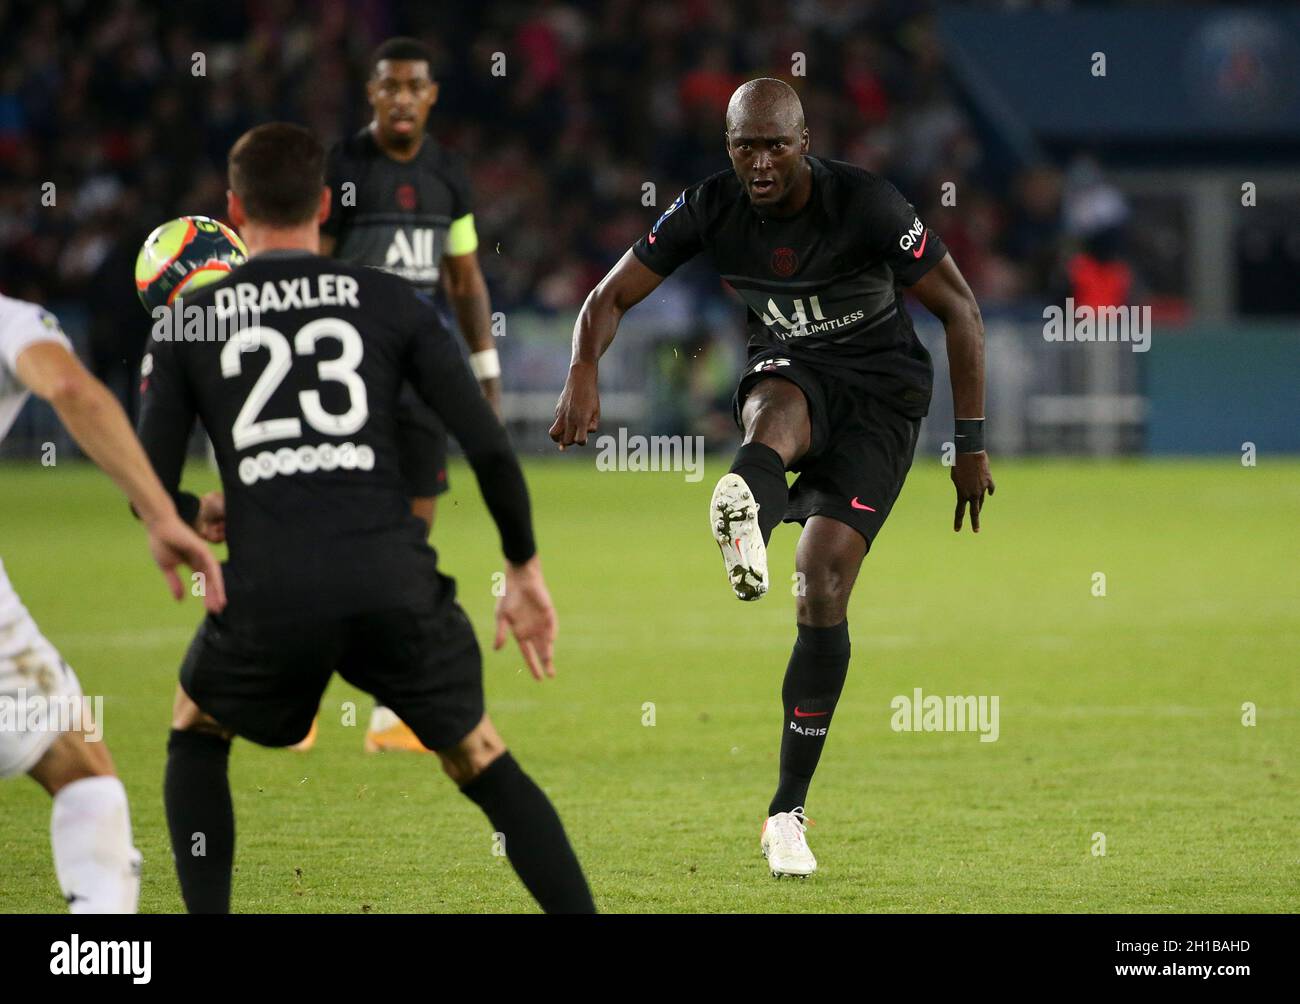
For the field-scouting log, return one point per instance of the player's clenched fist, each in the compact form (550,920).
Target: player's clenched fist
(578,410)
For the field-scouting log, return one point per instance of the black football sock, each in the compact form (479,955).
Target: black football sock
(201,818)
(535,841)
(813,681)
(763,471)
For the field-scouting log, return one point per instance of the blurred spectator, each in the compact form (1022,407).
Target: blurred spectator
(106,102)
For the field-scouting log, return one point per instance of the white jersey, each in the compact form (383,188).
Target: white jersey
(21,324)
(29,665)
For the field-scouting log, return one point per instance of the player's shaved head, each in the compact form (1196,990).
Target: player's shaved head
(765,100)
(766,141)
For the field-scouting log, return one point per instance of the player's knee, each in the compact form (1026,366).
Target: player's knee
(824,598)
(189,717)
(775,414)
(472,755)
(425,508)
(73,756)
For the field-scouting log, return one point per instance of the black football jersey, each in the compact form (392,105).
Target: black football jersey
(401,212)
(821,285)
(301,406)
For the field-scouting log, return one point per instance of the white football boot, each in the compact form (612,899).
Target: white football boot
(784,845)
(733,518)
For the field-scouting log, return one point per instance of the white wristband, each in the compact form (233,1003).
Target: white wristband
(486,364)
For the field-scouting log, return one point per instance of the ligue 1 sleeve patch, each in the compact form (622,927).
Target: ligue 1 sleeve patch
(677,204)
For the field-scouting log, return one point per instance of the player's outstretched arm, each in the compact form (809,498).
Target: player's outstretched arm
(945,294)
(97,422)
(578,411)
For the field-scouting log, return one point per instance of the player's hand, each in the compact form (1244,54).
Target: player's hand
(578,410)
(970,475)
(527,612)
(173,544)
(491,388)
(211,521)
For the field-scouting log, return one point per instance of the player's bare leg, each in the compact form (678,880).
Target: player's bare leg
(523,818)
(200,813)
(96,862)
(750,499)
(828,559)
(386,731)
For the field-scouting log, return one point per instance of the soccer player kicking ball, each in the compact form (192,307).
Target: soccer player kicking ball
(835,387)
(329,569)
(98,867)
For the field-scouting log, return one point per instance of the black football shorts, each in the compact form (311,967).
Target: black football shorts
(264,679)
(421,446)
(861,448)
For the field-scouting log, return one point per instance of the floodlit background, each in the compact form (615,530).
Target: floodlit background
(1125,188)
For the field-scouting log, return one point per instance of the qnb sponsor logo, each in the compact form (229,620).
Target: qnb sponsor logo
(933,713)
(39,712)
(651,453)
(177,322)
(287,461)
(914,240)
(799,323)
(413,252)
(1084,323)
(75,957)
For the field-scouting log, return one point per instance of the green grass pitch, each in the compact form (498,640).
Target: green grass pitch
(1120,715)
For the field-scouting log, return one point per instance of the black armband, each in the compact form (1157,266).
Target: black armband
(969,435)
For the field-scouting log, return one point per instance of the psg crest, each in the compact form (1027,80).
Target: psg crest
(784,261)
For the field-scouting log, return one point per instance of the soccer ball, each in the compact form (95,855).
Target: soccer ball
(183,255)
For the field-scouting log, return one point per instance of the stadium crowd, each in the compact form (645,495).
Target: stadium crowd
(117,116)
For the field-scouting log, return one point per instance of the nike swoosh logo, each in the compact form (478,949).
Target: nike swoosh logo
(921,250)
(810,714)
(858,505)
